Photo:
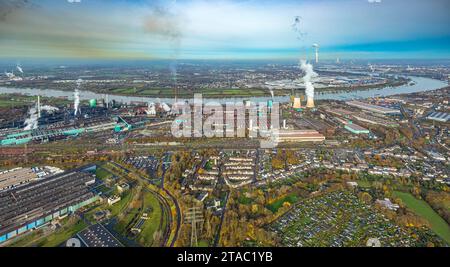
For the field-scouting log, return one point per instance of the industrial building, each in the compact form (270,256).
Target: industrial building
(63,130)
(356,129)
(15,177)
(373,108)
(300,136)
(439,116)
(57,131)
(60,124)
(319,125)
(98,236)
(338,111)
(375,120)
(37,203)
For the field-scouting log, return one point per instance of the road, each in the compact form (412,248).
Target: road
(219,230)
(165,166)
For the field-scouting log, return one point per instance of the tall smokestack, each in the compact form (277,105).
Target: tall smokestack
(39,106)
(316,47)
(76,97)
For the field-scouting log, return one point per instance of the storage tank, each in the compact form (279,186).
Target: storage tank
(93,103)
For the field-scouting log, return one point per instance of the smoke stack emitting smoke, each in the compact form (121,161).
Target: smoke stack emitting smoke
(32,122)
(316,50)
(272,93)
(76,96)
(309,87)
(304,66)
(166,22)
(19,68)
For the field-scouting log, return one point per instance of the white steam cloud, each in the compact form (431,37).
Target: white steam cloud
(19,68)
(297,27)
(32,122)
(48,108)
(76,96)
(309,74)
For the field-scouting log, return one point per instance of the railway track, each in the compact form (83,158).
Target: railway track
(165,208)
(165,216)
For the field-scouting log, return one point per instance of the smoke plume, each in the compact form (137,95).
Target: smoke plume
(76,97)
(309,74)
(164,22)
(48,108)
(271,93)
(173,71)
(297,27)
(32,122)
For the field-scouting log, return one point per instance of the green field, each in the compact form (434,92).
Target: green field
(10,100)
(421,208)
(125,90)
(364,183)
(153,223)
(56,238)
(8,103)
(207,92)
(150,205)
(62,235)
(276,205)
(102,174)
(120,206)
(245,200)
(203,243)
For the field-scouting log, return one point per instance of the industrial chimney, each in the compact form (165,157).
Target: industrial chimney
(316,47)
(39,106)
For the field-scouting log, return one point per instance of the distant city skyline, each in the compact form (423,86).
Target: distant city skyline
(235,29)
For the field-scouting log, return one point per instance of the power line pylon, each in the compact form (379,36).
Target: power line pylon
(194,216)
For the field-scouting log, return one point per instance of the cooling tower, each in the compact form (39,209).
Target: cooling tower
(297,103)
(310,102)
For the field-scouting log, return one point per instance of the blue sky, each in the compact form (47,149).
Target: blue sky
(225,29)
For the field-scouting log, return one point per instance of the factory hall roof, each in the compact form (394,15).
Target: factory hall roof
(35,200)
(98,236)
(439,116)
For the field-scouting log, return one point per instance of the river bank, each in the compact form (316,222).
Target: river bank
(419,84)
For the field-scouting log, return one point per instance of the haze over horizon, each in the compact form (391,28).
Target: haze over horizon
(234,29)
